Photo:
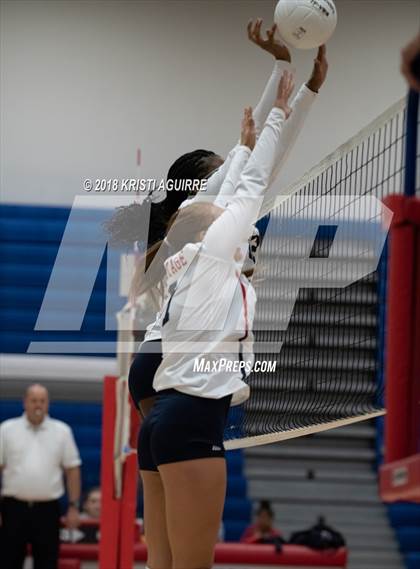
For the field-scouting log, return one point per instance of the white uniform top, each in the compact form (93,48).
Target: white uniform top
(33,458)
(237,162)
(211,308)
(220,193)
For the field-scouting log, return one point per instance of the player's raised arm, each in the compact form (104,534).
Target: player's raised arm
(301,105)
(235,223)
(281,54)
(236,165)
(282,62)
(248,138)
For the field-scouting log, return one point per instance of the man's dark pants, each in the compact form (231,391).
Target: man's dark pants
(37,523)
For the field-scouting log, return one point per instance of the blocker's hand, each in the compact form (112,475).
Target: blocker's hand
(270,43)
(284,91)
(248,134)
(319,71)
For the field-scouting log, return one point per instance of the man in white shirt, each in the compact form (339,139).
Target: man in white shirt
(34,452)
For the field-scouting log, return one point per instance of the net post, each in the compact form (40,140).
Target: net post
(400,476)
(414,441)
(401,296)
(111,507)
(129,496)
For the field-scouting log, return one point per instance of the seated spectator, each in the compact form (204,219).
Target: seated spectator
(88,530)
(92,504)
(262,531)
(319,536)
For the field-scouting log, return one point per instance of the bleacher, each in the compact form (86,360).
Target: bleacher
(332,473)
(30,238)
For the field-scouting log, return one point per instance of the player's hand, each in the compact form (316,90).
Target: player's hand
(284,91)
(319,71)
(269,43)
(248,134)
(408,56)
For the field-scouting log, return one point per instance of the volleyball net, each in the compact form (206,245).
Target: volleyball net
(319,296)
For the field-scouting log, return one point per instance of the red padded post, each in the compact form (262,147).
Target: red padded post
(399,331)
(110,507)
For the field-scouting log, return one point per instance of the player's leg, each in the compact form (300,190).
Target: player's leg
(158,549)
(194,497)
(159,552)
(187,446)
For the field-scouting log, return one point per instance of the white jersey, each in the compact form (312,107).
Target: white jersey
(237,160)
(210,311)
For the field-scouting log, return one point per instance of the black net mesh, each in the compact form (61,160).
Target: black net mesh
(323,324)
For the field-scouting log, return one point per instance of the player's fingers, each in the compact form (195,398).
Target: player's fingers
(253,31)
(289,85)
(249,29)
(292,86)
(258,29)
(270,32)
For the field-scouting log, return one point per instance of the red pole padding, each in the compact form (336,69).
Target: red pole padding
(399,326)
(415,392)
(110,507)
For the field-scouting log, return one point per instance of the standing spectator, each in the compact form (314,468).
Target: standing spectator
(34,452)
(263,530)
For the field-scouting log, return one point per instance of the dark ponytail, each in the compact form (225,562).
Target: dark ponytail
(124,227)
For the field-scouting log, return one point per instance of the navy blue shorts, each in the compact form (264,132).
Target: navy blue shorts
(182,427)
(142,371)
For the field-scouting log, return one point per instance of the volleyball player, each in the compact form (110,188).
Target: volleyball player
(149,355)
(145,364)
(182,436)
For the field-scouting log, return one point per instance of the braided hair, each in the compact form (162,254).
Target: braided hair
(124,226)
